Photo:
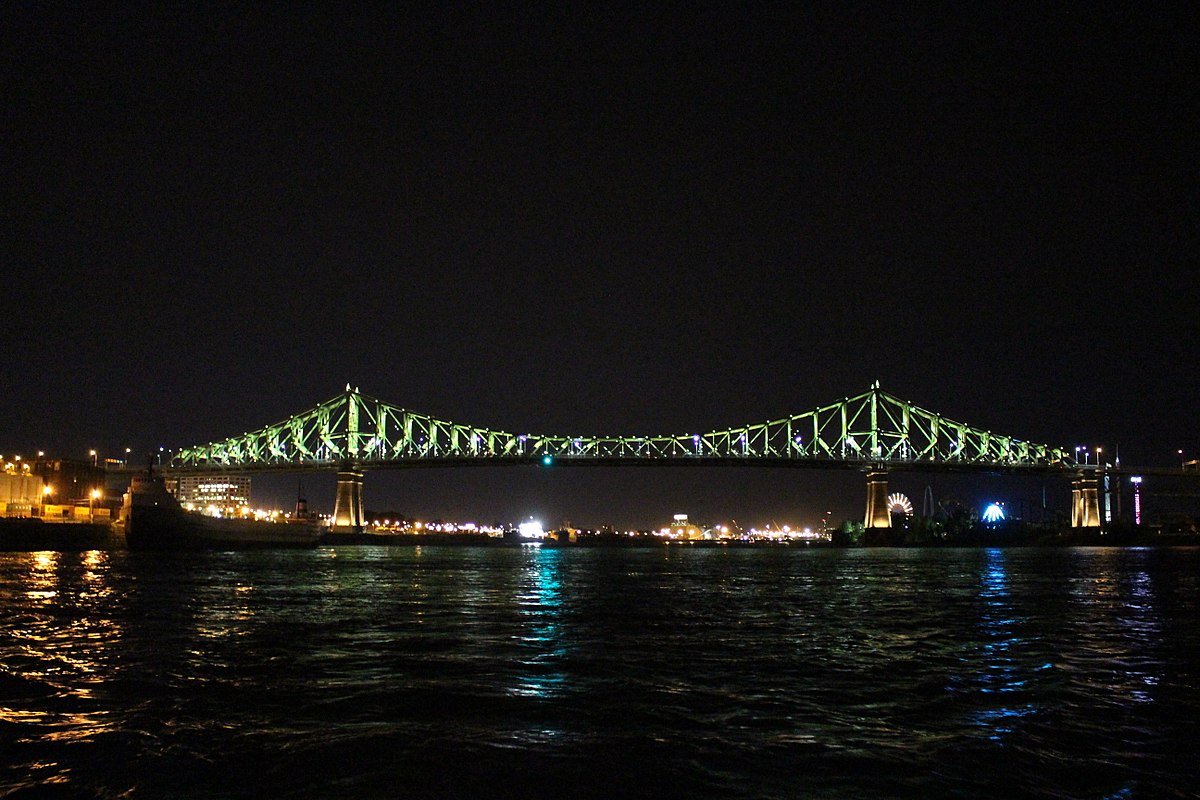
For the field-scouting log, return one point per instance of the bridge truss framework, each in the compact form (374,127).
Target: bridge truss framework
(874,432)
(873,428)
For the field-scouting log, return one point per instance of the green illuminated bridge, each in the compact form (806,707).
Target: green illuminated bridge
(874,432)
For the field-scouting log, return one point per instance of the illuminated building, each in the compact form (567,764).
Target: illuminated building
(682,529)
(71,480)
(531,529)
(20,490)
(222,491)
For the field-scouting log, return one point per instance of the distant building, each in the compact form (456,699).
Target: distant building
(682,529)
(202,491)
(19,492)
(70,480)
(29,487)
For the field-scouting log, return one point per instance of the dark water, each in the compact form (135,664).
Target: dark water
(531,672)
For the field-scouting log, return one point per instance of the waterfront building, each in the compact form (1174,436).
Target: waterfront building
(20,490)
(682,529)
(225,492)
(68,480)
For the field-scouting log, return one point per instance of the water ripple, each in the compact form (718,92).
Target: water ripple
(497,672)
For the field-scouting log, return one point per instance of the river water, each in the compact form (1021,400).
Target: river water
(531,672)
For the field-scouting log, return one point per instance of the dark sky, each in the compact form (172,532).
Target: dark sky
(590,220)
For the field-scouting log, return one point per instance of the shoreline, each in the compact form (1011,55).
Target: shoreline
(33,535)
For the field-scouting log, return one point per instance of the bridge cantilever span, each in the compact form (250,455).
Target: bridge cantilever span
(873,431)
(871,428)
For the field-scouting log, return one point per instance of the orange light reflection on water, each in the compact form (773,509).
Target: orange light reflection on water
(67,595)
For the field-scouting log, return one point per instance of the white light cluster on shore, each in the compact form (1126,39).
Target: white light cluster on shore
(533,529)
(412,526)
(246,512)
(725,533)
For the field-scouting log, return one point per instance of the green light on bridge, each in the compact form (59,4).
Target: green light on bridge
(869,428)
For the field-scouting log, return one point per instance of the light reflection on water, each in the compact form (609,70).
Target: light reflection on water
(999,669)
(442,672)
(1144,632)
(1123,594)
(540,603)
(59,650)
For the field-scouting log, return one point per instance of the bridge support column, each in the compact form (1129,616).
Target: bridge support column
(878,514)
(348,514)
(1085,502)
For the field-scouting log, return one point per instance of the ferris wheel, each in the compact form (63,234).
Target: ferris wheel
(899,504)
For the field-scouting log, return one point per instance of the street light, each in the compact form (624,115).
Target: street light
(92,453)
(92,498)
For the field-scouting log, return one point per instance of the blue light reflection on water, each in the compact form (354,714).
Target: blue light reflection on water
(521,672)
(540,603)
(998,668)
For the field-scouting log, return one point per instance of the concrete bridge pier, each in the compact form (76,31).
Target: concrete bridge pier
(348,514)
(878,513)
(1085,501)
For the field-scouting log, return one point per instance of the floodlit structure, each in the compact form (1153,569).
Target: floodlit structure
(531,529)
(874,432)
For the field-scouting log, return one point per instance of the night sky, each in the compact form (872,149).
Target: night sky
(591,220)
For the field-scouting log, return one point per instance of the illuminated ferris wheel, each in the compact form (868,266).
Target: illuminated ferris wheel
(900,504)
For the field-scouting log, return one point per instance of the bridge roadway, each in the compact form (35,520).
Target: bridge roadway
(874,432)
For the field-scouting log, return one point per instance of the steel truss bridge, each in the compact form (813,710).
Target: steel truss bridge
(874,432)
(871,428)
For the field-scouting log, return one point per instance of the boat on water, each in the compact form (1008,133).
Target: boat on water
(153,519)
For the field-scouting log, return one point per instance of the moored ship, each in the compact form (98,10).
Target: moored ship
(154,520)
